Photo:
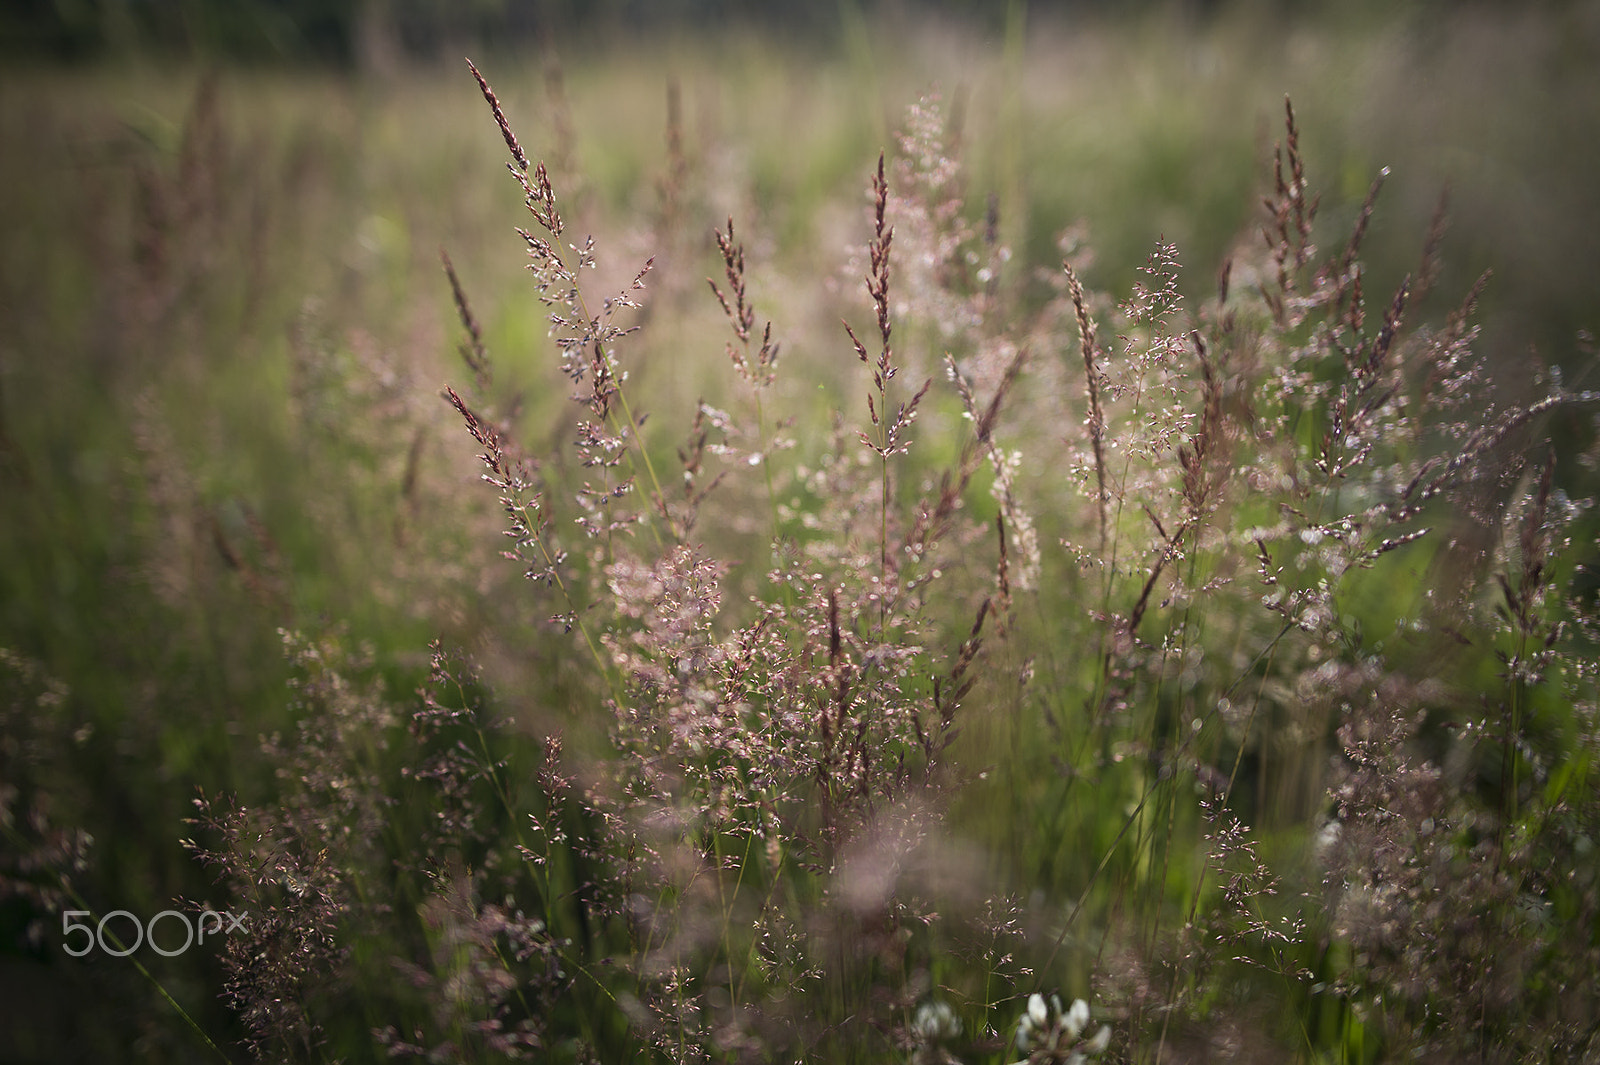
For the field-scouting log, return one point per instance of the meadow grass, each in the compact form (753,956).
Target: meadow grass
(1075,621)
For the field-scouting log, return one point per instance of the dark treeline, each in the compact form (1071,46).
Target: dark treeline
(350,32)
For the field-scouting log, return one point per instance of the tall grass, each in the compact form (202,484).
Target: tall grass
(1010,670)
(794,852)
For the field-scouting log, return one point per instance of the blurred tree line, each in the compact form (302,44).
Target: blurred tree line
(361,32)
(351,32)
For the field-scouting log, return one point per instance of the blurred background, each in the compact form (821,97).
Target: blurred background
(224,324)
(1170,105)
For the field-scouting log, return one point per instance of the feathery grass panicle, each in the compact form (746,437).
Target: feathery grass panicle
(876,806)
(1091,376)
(1236,697)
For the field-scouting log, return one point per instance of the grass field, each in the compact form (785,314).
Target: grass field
(1210,639)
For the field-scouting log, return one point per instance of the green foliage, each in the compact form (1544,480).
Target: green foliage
(1213,651)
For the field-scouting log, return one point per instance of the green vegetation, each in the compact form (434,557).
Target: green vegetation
(1080,621)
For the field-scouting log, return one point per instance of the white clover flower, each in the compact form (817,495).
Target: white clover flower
(1049,1034)
(935,1021)
(1077,1017)
(1026,1023)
